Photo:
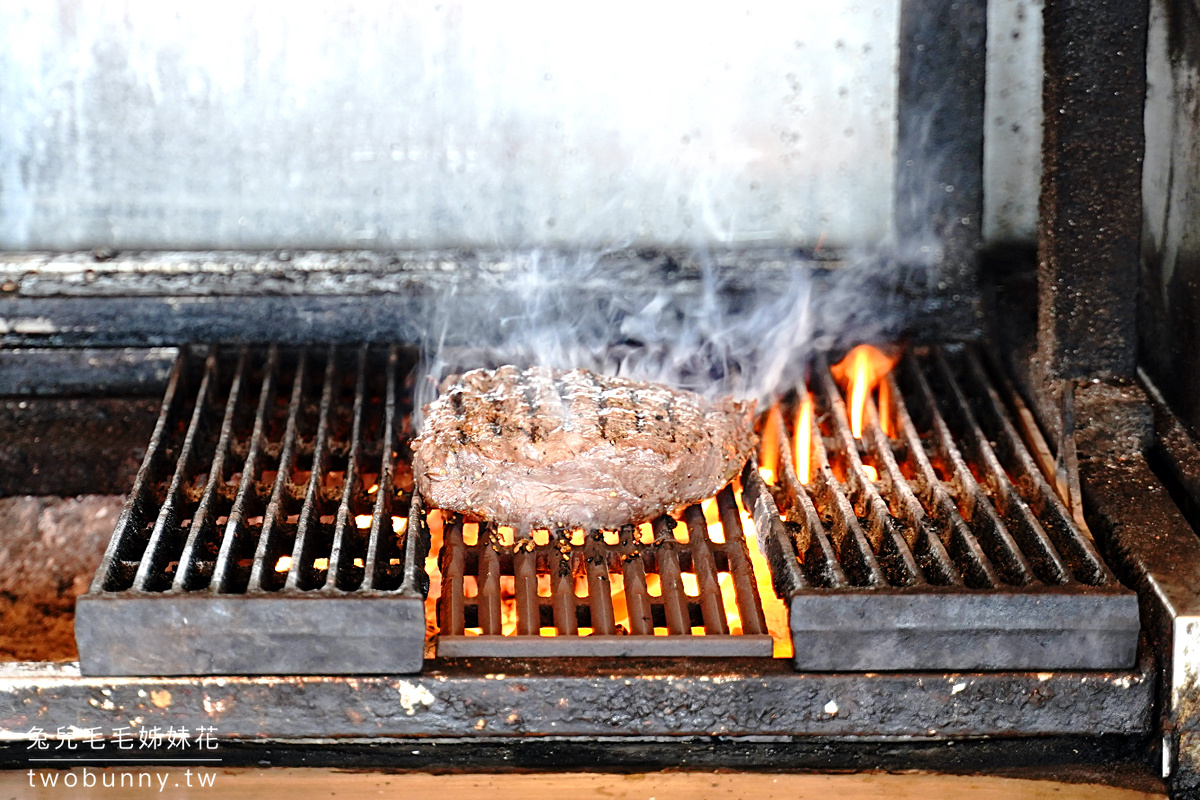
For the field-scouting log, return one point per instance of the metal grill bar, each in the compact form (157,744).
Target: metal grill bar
(490,621)
(1077,550)
(883,530)
(954,559)
(652,612)
(155,572)
(920,533)
(748,602)
(303,572)
(670,579)
(122,557)
(1022,524)
(705,567)
(259,558)
(969,558)
(805,531)
(562,588)
(973,504)
(345,571)
(237,544)
(193,568)
(263,575)
(855,552)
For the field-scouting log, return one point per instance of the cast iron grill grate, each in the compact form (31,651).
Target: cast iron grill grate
(649,590)
(938,544)
(268,529)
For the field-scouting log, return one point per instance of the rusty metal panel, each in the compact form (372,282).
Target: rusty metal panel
(1091,216)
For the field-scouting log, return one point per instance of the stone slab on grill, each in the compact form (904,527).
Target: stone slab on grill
(938,544)
(637,600)
(268,531)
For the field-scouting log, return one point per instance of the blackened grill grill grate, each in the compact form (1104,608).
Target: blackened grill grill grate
(245,546)
(273,529)
(620,612)
(950,559)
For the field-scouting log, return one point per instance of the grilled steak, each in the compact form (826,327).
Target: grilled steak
(546,448)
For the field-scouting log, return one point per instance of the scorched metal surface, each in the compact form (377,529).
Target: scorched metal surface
(937,545)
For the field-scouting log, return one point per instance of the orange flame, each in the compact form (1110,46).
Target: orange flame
(861,369)
(885,409)
(774,609)
(508,605)
(771,432)
(802,456)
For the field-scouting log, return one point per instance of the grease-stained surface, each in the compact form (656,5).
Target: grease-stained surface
(588,697)
(1090,209)
(252,784)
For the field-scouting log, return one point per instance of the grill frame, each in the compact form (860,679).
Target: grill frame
(862,597)
(143,617)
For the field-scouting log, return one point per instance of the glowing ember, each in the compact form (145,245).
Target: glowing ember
(508,605)
(861,370)
(802,455)
(871,472)
(373,489)
(771,433)
(320,564)
(283,564)
(362,521)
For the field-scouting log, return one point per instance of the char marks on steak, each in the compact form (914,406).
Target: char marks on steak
(546,448)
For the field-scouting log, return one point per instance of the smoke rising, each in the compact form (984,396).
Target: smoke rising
(730,323)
